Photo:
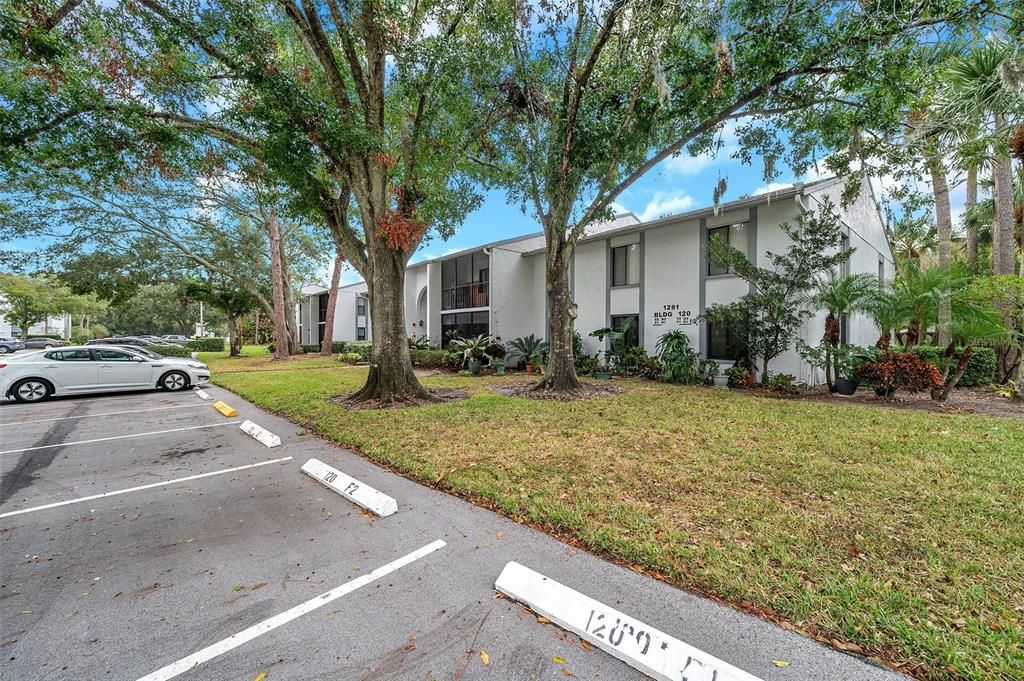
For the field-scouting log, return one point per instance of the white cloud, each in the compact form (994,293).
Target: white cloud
(771,187)
(688,164)
(618,208)
(664,203)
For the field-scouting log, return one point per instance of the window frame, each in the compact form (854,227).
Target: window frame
(91,355)
(714,270)
(626,272)
(731,340)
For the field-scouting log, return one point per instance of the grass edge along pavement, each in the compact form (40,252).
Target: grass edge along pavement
(895,533)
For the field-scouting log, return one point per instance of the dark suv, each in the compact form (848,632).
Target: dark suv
(10,345)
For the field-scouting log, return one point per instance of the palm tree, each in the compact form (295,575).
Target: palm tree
(839,295)
(921,292)
(982,214)
(980,94)
(912,236)
(972,324)
(888,313)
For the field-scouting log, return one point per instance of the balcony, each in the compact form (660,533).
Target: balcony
(461,297)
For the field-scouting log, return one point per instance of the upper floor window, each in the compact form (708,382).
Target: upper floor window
(360,306)
(736,235)
(464,281)
(626,265)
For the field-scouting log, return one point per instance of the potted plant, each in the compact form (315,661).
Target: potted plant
(472,351)
(522,350)
(707,370)
(495,352)
(602,370)
(738,376)
(499,365)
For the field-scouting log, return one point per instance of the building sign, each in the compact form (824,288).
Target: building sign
(671,315)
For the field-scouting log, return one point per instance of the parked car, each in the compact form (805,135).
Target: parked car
(82,369)
(10,345)
(176,339)
(130,340)
(35,343)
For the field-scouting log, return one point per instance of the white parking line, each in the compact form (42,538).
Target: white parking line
(106,413)
(119,437)
(142,487)
(232,642)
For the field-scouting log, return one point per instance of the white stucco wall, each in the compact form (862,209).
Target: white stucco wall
(671,282)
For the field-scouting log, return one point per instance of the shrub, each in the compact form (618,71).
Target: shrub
(892,371)
(454,361)
(337,347)
(207,344)
(679,361)
(349,357)
(738,376)
(649,367)
(707,369)
(981,368)
(418,342)
(363,348)
(429,359)
(782,383)
(170,350)
(495,350)
(79,336)
(585,364)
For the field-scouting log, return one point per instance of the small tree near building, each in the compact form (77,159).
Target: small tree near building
(769,316)
(30,300)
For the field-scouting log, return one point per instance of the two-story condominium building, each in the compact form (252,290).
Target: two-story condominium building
(653,274)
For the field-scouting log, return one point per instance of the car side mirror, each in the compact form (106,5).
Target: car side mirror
(136,358)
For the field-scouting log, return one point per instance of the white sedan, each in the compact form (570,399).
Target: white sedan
(77,370)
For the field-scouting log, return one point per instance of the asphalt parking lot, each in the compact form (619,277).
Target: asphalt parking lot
(167,579)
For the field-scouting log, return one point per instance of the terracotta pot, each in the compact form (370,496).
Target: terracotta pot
(529,368)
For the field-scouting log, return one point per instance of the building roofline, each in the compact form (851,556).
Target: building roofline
(787,192)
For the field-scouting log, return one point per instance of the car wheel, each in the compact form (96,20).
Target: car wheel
(31,390)
(49,346)
(174,381)
(4,349)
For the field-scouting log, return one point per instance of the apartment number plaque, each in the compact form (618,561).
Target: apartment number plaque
(673,315)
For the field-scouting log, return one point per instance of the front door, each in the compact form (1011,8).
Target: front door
(71,370)
(119,369)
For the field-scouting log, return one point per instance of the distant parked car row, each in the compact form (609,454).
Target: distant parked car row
(14,344)
(137,341)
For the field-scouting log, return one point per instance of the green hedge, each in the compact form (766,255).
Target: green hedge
(170,350)
(207,344)
(981,369)
(428,359)
(362,348)
(337,347)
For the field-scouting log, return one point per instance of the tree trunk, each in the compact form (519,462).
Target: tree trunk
(956,374)
(256,329)
(560,375)
(972,230)
(234,335)
(1003,243)
(391,378)
(332,303)
(289,301)
(282,338)
(944,224)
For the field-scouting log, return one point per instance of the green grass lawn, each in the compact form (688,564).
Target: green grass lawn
(896,532)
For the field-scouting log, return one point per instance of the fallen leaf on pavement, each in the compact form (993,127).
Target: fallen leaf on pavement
(485,658)
(780,663)
(260,676)
(558,660)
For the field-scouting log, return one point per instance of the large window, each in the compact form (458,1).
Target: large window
(463,325)
(737,236)
(630,323)
(724,344)
(464,281)
(626,265)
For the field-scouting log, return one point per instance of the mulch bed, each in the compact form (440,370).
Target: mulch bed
(529,391)
(440,395)
(961,401)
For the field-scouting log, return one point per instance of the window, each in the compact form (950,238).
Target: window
(463,325)
(724,344)
(113,356)
(630,323)
(737,236)
(844,268)
(322,302)
(464,281)
(881,272)
(361,333)
(626,265)
(69,355)
(360,306)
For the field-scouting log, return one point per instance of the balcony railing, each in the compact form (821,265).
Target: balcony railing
(468,295)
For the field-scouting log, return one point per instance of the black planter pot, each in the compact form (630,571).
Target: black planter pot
(845,386)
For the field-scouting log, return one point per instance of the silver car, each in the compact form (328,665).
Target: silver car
(75,370)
